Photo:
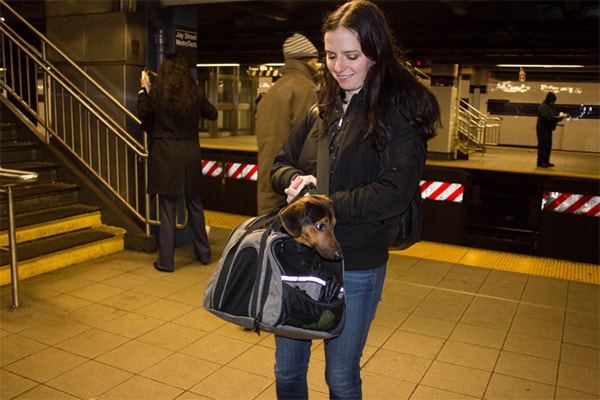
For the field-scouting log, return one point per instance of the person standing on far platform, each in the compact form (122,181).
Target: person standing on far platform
(171,113)
(279,108)
(547,120)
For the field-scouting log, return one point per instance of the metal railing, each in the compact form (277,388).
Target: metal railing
(474,129)
(422,76)
(10,178)
(35,89)
(492,130)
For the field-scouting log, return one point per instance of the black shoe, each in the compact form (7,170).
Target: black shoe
(204,259)
(550,164)
(204,262)
(544,165)
(161,269)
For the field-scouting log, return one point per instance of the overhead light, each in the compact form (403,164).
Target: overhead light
(538,66)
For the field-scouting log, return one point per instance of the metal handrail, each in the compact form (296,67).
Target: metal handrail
(48,45)
(471,125)
(492,129)
(67,113)
(421,75)
(15,177)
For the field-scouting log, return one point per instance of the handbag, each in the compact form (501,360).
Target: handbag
(409,227)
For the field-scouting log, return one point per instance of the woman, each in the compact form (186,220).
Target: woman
(378,117)
(172,112)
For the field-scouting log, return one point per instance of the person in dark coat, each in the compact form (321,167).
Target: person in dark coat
(171,112)
(286,102)
(547,120)
(377,118)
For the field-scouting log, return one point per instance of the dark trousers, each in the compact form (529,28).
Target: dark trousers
(166,233)
(544,146)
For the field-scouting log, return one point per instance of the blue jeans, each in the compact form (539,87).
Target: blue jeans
(342,354)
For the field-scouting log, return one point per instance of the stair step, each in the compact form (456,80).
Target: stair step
(35,197)
(39,224)
(53,244)
(53,229)
(62,251)
(46,170)
(8,131)
(16,151)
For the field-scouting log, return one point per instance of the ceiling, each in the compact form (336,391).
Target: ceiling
(467,32)
(475,33)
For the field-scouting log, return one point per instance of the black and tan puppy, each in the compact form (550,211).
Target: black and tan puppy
(310,220)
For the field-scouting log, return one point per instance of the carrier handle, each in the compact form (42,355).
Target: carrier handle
(308,189)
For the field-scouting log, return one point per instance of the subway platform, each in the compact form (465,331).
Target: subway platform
(516,160)
(454,323)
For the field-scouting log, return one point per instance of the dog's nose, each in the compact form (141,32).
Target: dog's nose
(337,255)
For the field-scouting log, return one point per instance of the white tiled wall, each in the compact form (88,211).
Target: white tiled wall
(572,134)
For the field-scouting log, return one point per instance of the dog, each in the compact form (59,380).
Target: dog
(310,221)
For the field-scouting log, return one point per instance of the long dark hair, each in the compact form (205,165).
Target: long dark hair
(389,81)
(175,90)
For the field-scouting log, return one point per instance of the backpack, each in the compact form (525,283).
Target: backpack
(265,280)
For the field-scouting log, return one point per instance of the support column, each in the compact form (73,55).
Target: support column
(444,85)
(106,41)
(172,30)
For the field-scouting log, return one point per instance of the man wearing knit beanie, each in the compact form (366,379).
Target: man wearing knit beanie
(298,46)
(286,101)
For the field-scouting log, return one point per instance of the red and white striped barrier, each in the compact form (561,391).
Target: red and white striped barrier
(248,172)
(442,191)
(569,203)
(211,168)
(431,190)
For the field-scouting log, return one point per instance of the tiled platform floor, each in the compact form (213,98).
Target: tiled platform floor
(115,328)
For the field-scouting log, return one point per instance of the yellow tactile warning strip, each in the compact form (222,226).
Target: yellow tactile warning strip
(540,266)
(223,220)
(548,267)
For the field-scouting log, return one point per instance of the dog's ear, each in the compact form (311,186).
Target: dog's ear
(323,199)
(326,203)
(291,218)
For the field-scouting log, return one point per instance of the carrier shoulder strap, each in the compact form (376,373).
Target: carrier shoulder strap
(322,158)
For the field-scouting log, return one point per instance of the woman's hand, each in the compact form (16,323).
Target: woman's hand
(297,185)
(145,81)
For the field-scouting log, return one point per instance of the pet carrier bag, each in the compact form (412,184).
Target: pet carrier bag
(265,280)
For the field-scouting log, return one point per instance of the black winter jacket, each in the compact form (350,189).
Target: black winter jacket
(175,160)
(369,189)
(548,118)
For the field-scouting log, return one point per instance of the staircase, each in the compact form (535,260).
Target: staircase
(53,228)
(474,130)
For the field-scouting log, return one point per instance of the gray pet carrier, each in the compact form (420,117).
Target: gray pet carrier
(265,280)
